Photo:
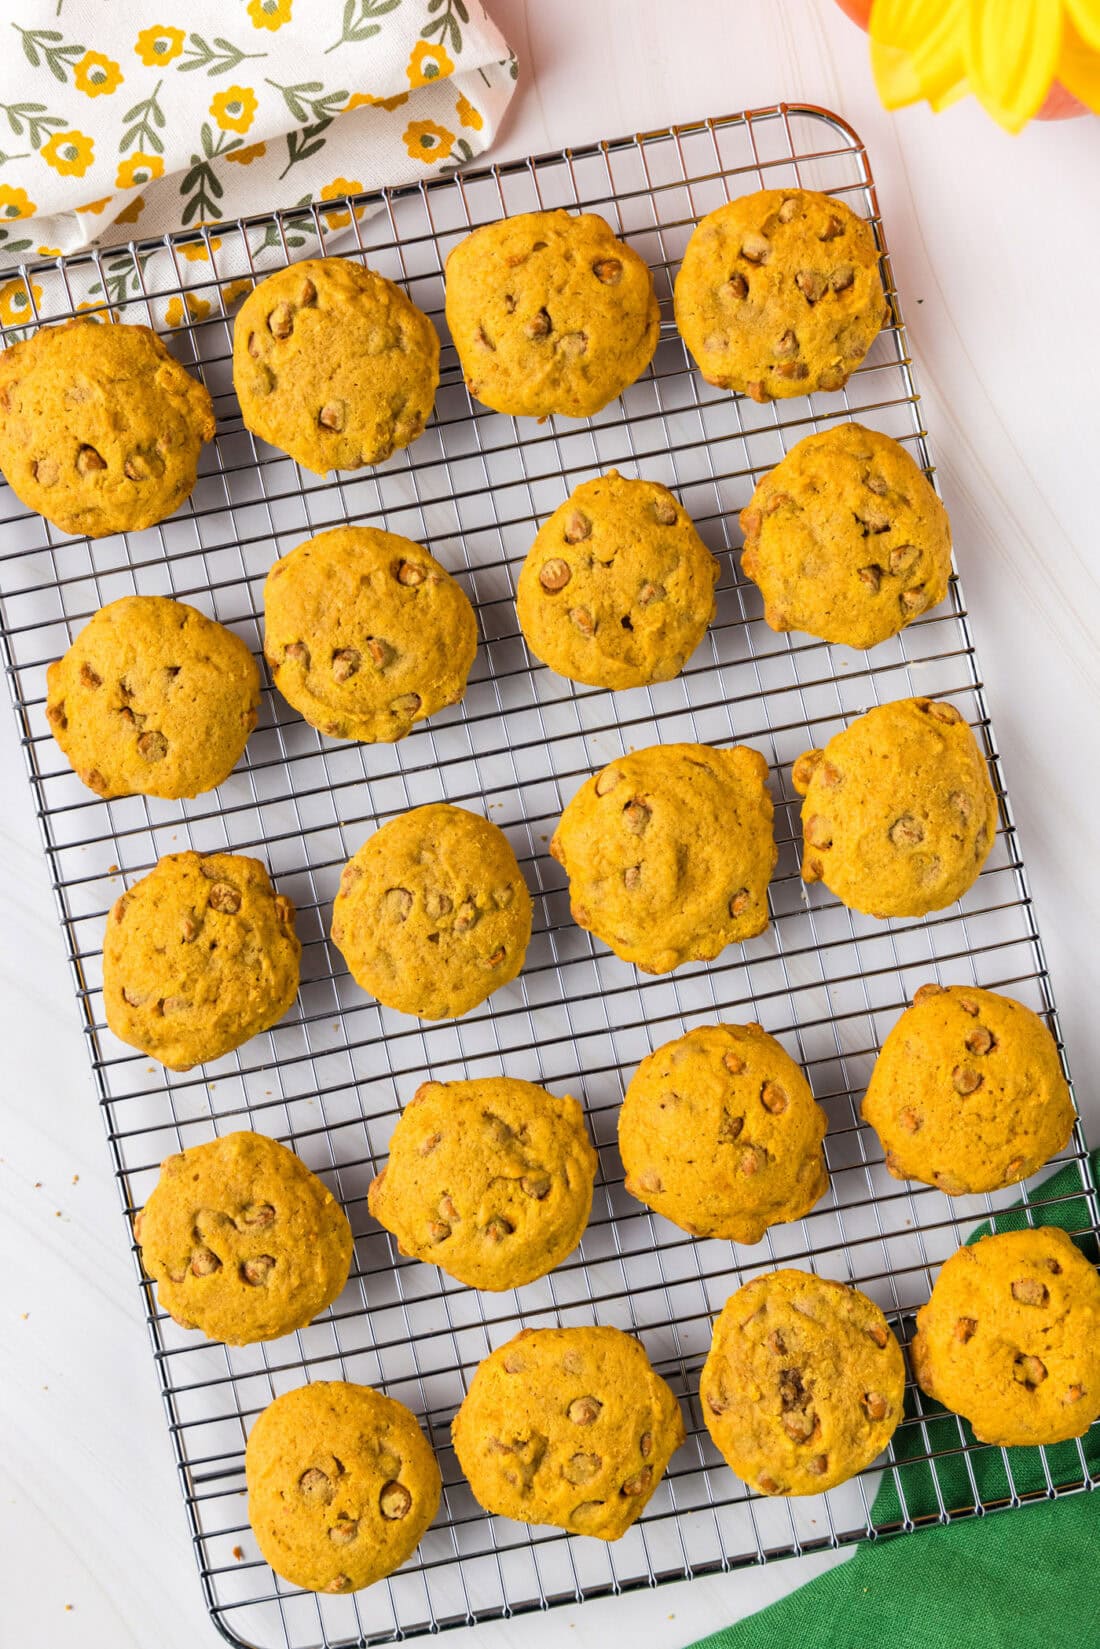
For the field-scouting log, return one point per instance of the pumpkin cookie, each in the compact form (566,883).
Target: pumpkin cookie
(779,294)
(803,1385)
(720,1133)
(433,914)
(618,588)
(550,313)
(366,633)
(568,1426)
(342,1485)
(846,538)
(968,1092)
(669,852)
(490,1180)
(153,699)
(242,1241)
(899,813)
(101,428)
(1011,1338)
(333,364)
(198,956)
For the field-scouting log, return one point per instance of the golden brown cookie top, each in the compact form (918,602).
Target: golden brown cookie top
(490,1179)
(618,587)
(333,364)
(100,427)
(433,914)
(366,633)
(550,313)
(899,813)
(153,698)
(804,1383)
(779,294)
(1011,1338)
(198,956)
(243,1242)
(968,1092)
(846,538)
(568,1426)
(342,1485)
(720,1133)
(669,851)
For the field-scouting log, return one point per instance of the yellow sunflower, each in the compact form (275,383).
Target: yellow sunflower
(196,251)
(428,63)
(138,168)
(197,310)
(159,45)
(359,100)
(336,190)
(1009,55)
(245,157)
(15,303)
(269,14)
(96,75)
(15,203)
(428,142)
(468,115)
(234,292)
(234,108)
(70,153)
(133,211)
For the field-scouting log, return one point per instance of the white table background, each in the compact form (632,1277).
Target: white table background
(996,246)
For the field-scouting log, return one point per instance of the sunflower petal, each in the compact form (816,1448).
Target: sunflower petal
(1079,69)
(917,50)
(1012,51)
(1084,15)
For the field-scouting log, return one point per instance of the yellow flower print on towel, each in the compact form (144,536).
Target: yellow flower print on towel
(197,310)
(96,75)
(428,63)
(335,190)
(234,108)
(359,100)
(428,142)
(269,14)
(468,115)
(138,169)
(159,45)
(15,305)
(15,203)
(245,157)
(70,153)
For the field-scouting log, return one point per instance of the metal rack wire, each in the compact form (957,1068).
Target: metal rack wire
(331,1078)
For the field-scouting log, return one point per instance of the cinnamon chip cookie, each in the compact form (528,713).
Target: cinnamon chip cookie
(968,1092)
(550,313)
(242,1240)
(1011,1338)
(720,1133)
(669,852)
(153,699)
(198,956)
(333,364)
(100,427)
(568,1426)
(846,538)
(899,813)
(779,294)
(491,1180)
(803,1385)
(342,1485)
(433,914)
(618,588)
(366,633)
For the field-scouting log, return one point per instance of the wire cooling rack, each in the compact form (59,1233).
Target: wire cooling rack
(331,1078)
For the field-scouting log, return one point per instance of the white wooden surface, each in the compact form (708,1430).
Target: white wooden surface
(995,244)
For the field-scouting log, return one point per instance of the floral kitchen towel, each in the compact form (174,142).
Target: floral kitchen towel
(123,120)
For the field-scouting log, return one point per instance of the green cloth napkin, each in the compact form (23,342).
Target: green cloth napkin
(1023,1581)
